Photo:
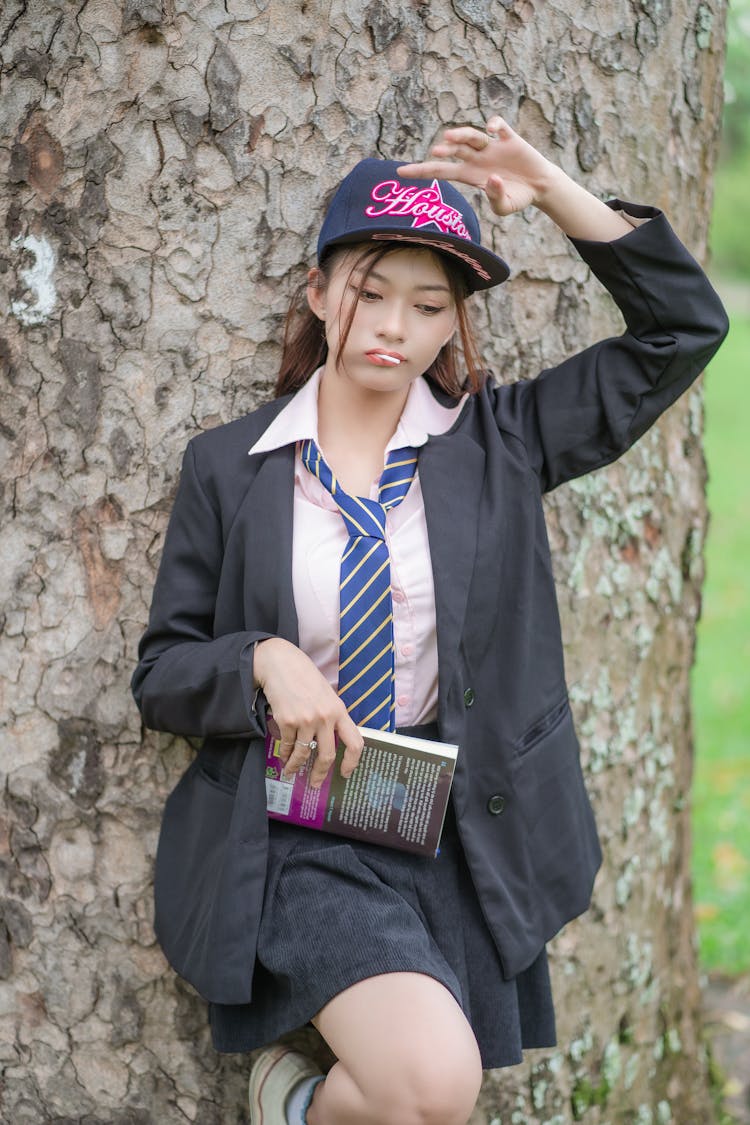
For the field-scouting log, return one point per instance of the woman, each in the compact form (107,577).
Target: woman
(416,972)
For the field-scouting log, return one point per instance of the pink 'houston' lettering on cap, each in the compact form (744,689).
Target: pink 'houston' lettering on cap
(425,204)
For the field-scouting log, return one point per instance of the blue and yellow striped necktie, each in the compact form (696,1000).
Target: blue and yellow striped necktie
(366,654)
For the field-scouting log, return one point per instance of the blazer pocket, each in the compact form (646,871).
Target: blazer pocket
(548,780)
(542,727)
(561,839)
(220,779)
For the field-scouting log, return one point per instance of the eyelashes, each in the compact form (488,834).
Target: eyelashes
(370,297)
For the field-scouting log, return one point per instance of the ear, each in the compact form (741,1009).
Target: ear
(316,292)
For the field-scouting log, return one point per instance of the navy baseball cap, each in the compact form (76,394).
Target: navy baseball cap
(374,203)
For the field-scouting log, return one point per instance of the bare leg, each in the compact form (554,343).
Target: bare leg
(406,1054)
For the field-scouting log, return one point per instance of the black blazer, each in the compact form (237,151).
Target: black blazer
(225,581)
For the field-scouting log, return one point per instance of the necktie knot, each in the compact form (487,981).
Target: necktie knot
(362,515)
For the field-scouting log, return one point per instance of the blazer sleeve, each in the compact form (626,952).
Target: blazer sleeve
(187,680)
(588,410)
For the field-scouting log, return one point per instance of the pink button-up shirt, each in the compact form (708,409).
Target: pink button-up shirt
(320,537)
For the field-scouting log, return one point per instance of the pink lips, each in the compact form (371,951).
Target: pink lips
(382,358)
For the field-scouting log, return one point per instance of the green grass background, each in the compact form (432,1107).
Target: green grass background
(730,225)
(721,676)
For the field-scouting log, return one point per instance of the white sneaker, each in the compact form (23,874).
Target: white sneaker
(276,1071)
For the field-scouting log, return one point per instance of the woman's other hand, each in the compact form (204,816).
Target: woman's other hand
(305,708)
(499,161)
(514,175)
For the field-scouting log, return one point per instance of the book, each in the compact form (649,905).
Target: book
(397,795)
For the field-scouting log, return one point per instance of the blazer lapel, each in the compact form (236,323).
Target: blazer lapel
(451,472)
(268,514)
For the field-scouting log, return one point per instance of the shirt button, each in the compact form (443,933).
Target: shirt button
(397,596)
(407,650)
(496,804)
(468,697)
(402,700)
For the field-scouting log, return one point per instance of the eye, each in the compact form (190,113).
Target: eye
(431,310)
(367,295)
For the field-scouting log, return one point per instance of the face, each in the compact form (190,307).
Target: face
(403,317)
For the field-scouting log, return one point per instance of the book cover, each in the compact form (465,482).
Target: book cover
(397,796)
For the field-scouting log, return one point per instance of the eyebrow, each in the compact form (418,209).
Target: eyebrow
(381,277)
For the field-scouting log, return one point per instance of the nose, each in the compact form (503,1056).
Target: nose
(391,325)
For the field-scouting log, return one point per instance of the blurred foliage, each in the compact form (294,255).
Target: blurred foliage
(721,675)
(730,230)
(736,138)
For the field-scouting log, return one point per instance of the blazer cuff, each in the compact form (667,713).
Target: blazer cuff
(255,700)
(636,214)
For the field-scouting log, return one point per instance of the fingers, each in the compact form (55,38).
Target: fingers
(353,745)
(473,139)
(295,749)
(458,155)
(460,150)
(325,756)
(499,127)
(462,142)
(434,170)
(301,743)
(495,189)
(323,752)
(286,746)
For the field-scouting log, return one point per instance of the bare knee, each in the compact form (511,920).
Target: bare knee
(430,1089)
(407,1055)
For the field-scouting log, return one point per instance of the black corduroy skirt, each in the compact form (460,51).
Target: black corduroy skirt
(338,911)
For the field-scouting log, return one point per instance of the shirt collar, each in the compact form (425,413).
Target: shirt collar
(422,416)
(298,421)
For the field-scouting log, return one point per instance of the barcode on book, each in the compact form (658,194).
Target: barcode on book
(279,796)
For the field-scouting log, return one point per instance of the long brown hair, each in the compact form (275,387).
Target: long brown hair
(305,347)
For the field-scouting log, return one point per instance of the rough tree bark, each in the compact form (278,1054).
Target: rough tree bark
(162,163)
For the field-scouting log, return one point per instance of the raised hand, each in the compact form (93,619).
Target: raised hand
(513,175)
(499,161)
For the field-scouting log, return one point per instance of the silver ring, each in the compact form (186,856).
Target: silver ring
(311,745)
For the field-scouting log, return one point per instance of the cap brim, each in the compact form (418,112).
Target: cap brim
(481,268)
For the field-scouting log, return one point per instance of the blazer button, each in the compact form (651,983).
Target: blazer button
(468,697)
(496,804)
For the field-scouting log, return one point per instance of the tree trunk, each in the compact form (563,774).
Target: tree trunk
(162,167)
